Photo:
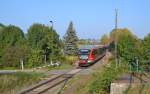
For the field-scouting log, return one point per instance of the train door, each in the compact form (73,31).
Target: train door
(95,54)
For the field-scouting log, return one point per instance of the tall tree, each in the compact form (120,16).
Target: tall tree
(14,55)
(115,34)
(35,35)
(104,39)
(128,45)
(10,36)
(43,38)
(1,26)
(39,37)
(146,47)
(70,40)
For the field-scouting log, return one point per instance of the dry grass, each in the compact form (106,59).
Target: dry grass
(10,84)
(139,89)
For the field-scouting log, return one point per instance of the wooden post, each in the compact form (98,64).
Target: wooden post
(22,66)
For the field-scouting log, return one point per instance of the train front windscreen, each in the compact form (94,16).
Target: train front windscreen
(83,53)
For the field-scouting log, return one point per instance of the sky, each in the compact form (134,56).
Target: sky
(91,18)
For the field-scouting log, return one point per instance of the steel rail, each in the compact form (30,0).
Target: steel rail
(63,77)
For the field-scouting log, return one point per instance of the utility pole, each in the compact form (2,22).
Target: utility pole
(116,18)
(52,40)
(116,27)
(45,50)
(52,24)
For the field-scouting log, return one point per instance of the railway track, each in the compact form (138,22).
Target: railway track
(45,86)
(49,84)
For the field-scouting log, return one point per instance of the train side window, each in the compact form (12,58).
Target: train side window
(94,53)
(101,50)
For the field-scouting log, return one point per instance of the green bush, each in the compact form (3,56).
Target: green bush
(69,59)
(102,80)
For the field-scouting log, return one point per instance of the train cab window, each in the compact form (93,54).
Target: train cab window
(83,53)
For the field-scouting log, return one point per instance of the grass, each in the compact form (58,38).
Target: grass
(69,59)
(11,84)
(63,66)
(100,83)
(8,68)
(80,84)
(77,85)
(67,63)
(139,89)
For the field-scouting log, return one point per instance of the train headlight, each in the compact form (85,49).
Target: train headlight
(89,61)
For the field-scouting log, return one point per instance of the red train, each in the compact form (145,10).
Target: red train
(90,54)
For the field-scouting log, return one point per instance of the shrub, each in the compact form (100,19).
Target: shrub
(69,59)
(102,80)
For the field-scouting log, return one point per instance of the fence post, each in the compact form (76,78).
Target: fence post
(22,66)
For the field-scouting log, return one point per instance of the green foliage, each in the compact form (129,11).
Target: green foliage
(34,59)
(102,80)
(1,26)
(57,46)
(70,59)
(70,41)
(115,34)
(104,39)
(12,46)
(39,41)
(146,48)
(38,35)
(128,45)
(13,55)
(10,36)
(145,54)
(43,38)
